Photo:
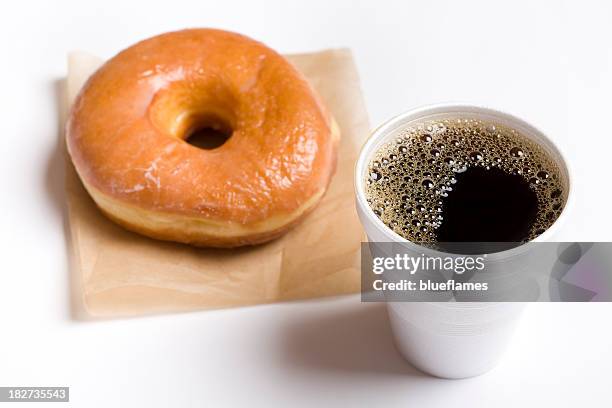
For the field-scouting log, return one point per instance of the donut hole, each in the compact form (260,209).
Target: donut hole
(209,133)
(202,114)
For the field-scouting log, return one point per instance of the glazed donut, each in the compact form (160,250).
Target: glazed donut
(126,135)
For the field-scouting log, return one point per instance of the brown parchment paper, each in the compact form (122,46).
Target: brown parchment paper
(119,273)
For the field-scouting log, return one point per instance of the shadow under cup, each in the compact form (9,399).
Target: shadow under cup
(449,339)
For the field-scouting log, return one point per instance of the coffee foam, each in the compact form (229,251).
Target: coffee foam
(409,176)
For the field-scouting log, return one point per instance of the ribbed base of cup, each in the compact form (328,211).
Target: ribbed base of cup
(448,350)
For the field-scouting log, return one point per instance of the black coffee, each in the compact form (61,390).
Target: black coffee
(465,180)
(488,206)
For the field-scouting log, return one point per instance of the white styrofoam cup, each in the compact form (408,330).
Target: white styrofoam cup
(450,339)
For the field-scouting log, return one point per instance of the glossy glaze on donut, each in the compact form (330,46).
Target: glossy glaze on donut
(127,128)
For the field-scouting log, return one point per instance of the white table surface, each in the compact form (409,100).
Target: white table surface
(548,62)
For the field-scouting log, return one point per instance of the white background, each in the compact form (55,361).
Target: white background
(548,62)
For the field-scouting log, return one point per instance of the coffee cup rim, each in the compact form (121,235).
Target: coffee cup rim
(380,135)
